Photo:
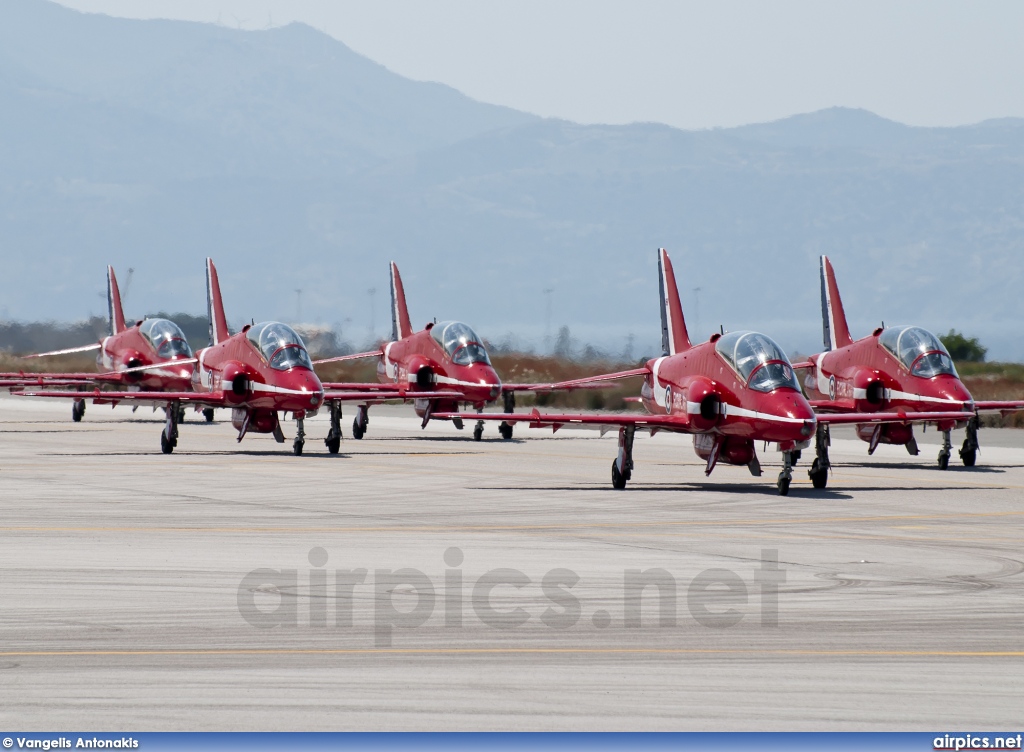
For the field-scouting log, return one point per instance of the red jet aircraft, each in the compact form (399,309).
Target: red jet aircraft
(151,355)
(448,354)
(729,392)
(258,373)
(893,368)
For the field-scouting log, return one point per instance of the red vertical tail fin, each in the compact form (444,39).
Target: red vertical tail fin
(833,318)
(400,325)
(114,309)
(214,305)
(674,338)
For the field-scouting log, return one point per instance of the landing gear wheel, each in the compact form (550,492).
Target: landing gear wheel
(478,433)
(297,446)
(618,479)
(181,415)
(969,457)
(818,474)
(357,430)
(783,485)
(77,410)
(208,414)
(796,456)
(457,422)
(333,445)
(505,430)
(943,460)
(166,446)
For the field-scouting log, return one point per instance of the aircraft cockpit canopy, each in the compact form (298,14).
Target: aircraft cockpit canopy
(460,342)
(279,345)
(166,338)
(919,350)
(760,362)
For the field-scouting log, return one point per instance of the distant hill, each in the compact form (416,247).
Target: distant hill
(300,165)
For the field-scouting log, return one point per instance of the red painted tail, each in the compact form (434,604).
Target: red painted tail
(400,325)
(114,309)
(674,338)
(214,305)
(833,317)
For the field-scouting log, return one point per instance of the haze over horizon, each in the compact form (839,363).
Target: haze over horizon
(299,164)
(691,65)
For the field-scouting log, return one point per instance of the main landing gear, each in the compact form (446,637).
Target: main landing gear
(969,451)
(362,420)
(208,414)
(622,466)
(786,476)
(945,452)
(300,436)
(821,465)
(169,436)
(509,405)
(77,410)
(333,440)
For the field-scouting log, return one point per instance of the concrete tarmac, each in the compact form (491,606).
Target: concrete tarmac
(211,589)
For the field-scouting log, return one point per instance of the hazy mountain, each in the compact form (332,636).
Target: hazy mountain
(298,164)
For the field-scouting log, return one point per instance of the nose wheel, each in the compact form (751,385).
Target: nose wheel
(945,452)
(786,476)
(478,429)
(969,451)
(169,436)
(300,436)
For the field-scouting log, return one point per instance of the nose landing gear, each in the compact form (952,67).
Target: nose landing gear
(169,436)
(945,451)
(786,476)
(300,436)
(969,451)
(478,429)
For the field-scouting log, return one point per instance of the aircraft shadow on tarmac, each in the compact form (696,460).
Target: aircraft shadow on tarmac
(253,453)
(918,466)
(750,489)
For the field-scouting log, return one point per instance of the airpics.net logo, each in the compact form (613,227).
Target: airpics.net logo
(967,741)
(504,598)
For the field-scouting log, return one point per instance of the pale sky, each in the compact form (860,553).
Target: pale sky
(688,64)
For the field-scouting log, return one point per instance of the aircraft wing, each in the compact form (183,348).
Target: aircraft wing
(390,394)
(896,417)
(54,378)
(999,405)
(355,386)
(205,399)
(353,356)
(536,419)
(588,382)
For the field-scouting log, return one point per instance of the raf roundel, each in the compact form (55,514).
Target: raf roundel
(832,387)
(668,400)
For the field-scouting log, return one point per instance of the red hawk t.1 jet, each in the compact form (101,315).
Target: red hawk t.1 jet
(151,355)
(730,392)
(259,373)
(893,368)
(446,355)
